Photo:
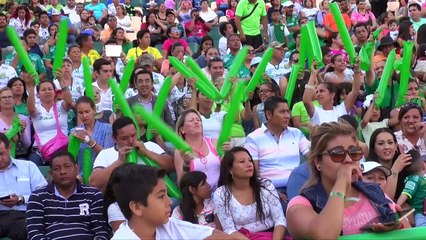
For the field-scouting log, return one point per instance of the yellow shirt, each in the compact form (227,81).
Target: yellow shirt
(137,52)
(93,56)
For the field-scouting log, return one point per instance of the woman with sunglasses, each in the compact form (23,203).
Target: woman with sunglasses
(384,150)
(325,93)
(244,203)
(333,198)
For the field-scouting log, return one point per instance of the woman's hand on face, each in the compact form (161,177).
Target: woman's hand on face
(401,162)
(421,128)
(348,173)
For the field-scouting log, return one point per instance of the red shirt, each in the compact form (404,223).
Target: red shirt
(199,29)
(329,20)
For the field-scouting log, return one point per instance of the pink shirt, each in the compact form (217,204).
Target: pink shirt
(230,13)
(359,18)
(354,217)
(199,29)
(169,42)
(209,164)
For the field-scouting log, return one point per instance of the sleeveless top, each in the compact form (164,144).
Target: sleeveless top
(210,164)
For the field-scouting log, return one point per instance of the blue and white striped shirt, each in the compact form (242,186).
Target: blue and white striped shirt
(50,216)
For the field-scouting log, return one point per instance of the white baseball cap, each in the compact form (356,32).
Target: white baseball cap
(371,165)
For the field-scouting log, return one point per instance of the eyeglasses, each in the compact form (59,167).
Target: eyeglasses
(338,154)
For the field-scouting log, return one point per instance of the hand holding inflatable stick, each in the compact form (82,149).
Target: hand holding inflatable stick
(233,72)
(386,75)
(161,102)
(257,76)
(405,71)
(87,165)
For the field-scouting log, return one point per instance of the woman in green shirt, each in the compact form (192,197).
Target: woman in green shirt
(118,34)
(19,91)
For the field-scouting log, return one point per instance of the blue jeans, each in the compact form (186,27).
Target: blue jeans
(36,158)
(194,39)
(420,220)
(283,203)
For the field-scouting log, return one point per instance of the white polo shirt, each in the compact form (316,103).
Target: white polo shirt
(108,156)
(277,159)
(173,229)
(6,73)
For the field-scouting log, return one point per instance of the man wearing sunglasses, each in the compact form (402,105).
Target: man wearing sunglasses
(276,147)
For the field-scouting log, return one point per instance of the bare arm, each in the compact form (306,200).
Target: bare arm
(356,85)
(100,176)
(283,86)
(367,115)
(309,96)
(256,121)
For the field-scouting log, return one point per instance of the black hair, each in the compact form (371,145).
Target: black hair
(351,120)
(13,80)
(45,81)
(421,34)
(213,60)
(273,86)
(404,30)
(140,35)
(272,103)
(222,27)
(85,99)
(372,155)
(392,21)
(361,24)
(187,204)
(4,140)
(325,50)
(71,46)
(407,107)
(43,13)
(29,31)
(97,65)
(135,185)
(225,179)
(35,23)
(421,51)
(142,71)
(114,32)
(111,41)
(62,153)
(296,34)
(415,5)
(173,47)
(120,123)
(416,162)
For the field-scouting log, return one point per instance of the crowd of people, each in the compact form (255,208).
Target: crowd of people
(330,161)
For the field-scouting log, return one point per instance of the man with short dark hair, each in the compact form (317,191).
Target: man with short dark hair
(415,13)
(125,136)
(234,45)
(216,68)
(18,180)
(276,147)
(103,71)
(5,45)
(43,33)
(86,40)
(65,207)
(30,36)
(361,33)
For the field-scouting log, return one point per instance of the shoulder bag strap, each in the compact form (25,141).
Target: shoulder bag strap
(255,6)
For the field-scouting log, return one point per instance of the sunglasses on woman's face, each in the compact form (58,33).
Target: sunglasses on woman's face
(338,154)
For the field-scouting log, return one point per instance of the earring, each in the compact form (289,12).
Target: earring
(319,168)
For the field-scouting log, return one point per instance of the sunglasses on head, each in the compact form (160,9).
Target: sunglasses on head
(338,154)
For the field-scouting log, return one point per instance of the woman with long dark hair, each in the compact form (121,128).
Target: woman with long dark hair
(195,205)
(21,19)
(405,32)
(118,34)
(245,202)
(19,90)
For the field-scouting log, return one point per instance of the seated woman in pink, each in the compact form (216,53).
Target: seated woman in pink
(363,15)
(334,201)
(174,36)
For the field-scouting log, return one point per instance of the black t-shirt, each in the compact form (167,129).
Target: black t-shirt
(299,89)
(4,40)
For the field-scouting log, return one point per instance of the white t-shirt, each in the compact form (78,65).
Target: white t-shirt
(371,127)
(208,16)
(223,46)
(310,13)
(106,97)
(277,71)
(76,89)
(213,125)
(173,229)
(44,122)
(114,213)
(72,14)
(322,116)
(108,156)
(158,81)
(78,73)
(6,73)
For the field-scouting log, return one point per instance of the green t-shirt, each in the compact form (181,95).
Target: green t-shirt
(299,110)
(35,59)
(415,189)
(228,60)
(22,109)
(387,98)
(250,25)
(244,72)
(127,47)
(237,129)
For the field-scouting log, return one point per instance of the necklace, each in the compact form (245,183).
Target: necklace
(201,154)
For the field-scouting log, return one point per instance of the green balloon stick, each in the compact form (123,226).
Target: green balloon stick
(22,53)
(343,31)
(365,55)
(193,65)
(386,75)
(128,70)
(187,73)
(230,116)
(88,79)
(12,132)
(162,128)
(405,71)
(292,82)
(161,102)
(132,157)
(233,71)
(304,41)
(314,47)
(376,33)
(122,103)
(73,146)
(87,165)
(61,44)
(258,73)
(172,189)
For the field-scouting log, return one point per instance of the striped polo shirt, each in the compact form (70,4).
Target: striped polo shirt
(277,159)
(51,216)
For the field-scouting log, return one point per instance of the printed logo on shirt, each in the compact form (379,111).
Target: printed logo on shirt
(410,186)
(84,209)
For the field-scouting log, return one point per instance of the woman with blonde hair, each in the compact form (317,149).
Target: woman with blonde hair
(334,201)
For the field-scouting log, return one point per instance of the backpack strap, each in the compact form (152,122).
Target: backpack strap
(252,11)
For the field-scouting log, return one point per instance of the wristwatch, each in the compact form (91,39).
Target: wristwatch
(86,139)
